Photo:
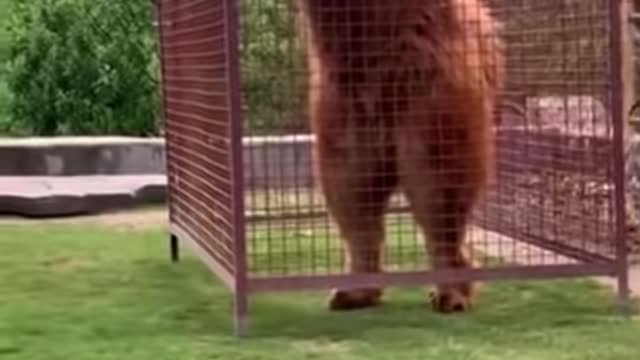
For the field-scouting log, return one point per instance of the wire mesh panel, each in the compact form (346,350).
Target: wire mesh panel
(395,142)
(374,74)
(198,109)
(555,179)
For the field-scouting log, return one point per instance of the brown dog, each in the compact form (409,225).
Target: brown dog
(401,97)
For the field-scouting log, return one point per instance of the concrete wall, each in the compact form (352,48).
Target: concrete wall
(278,162)
(65,156)
(274,161)
(268,161)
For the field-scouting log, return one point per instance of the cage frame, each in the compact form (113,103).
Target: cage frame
(242,285)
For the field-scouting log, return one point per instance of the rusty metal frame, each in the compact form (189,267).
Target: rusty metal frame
(619,140)
(242,284)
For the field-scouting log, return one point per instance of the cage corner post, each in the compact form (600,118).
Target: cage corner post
(240,311)
(174,246)
(623,76)
(236,133)
(159,24)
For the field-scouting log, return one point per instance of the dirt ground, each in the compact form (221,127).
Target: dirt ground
(140,218)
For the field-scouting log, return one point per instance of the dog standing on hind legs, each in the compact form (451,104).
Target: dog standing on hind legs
(401,98)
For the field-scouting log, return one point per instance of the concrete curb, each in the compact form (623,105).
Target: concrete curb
(66,196)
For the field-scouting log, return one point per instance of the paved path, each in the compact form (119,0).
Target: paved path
(72,195)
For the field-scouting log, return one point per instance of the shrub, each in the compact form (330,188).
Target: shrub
(271,65)
(83,67)
(88,67)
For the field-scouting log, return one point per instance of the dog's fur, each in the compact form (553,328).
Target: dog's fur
(401,97)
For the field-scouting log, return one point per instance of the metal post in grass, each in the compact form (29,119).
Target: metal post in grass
(622,81)
(174,248)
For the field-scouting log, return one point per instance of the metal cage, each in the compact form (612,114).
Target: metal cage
(240,152)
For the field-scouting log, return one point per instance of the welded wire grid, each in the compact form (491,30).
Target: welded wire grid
(197,122)
(552,199)
(555,168)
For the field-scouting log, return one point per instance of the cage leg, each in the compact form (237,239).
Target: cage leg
(174,248)
(240,314)
(624,293)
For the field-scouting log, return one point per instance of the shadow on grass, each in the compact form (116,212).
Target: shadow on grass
(509,307)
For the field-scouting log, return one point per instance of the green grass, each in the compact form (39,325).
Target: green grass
(80,292)
(314,246)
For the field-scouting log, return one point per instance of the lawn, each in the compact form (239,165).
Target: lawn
(95,291)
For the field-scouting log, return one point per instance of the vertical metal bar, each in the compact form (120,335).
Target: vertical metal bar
(158,15)
(617,29)
(237,176)
(175,248)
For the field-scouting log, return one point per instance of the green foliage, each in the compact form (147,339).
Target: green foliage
(5,102)
(83,67)
(271,65)
(90,67)
(5,15)
(5,94)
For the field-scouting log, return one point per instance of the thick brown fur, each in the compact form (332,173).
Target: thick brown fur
(401,97)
